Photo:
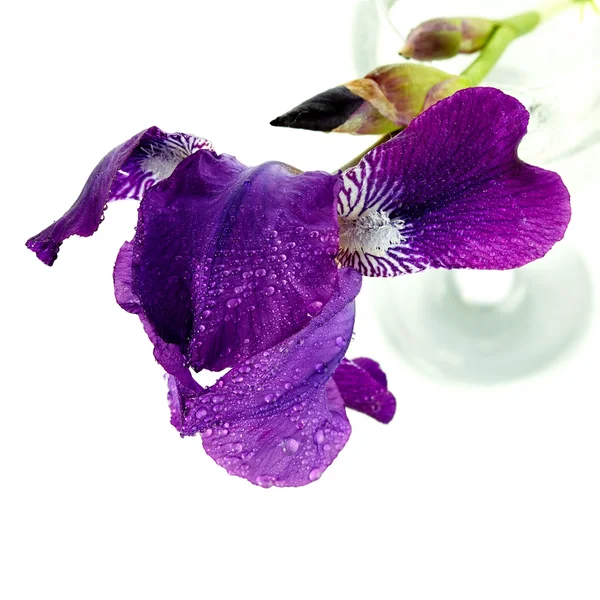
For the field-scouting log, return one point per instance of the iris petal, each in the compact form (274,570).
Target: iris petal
(451,192)
(168,355)
(278,418)
(363,387)
(231,260)
(125,172)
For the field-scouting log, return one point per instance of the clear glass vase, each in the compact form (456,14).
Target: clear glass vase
(494,326)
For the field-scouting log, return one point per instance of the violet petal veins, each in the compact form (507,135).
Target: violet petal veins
(451,192)
(126,172)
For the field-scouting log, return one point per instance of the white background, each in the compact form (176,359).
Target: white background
(471,492)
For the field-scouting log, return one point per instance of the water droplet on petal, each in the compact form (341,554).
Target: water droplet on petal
(206,433)
(264,481)
(319,437)
(290,446)
(314,474)
(260,272)
(340,341)
(200,413)
(314,308)
(206,314)
(269,291)
(234,302)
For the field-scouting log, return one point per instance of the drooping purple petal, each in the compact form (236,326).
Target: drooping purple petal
(363,387)
(451,192)
(231,260)
(125,172)
(278,418)
(167,355)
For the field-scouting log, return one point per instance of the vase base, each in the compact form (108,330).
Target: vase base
(493,330)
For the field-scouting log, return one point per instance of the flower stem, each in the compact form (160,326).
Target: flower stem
(506,33)
(509,30)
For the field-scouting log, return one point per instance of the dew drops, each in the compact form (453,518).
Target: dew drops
(260,272)
(200,413)
(319,437)
(233,302)
(319,367)
(290,446)
(314,474)
(269,398)
(264,481)
(206,314)
(314,234)
(201,328)
(314,308)
(206,433)
(269,291)
(340,341)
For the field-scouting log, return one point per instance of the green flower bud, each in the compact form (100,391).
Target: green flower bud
(385,100)
(444,89)
(444,38)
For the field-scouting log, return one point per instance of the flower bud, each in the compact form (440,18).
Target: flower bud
(385,100)
(444,38)
(444,89)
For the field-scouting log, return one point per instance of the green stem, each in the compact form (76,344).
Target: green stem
(506,33)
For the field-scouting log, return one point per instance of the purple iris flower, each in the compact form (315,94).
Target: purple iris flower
(255,269)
